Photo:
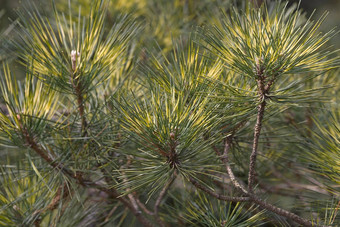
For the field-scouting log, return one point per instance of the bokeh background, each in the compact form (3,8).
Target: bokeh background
(8,8)
(169,19)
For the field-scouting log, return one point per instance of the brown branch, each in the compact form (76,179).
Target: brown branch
(107,218)
(336,212)
(158,201)
(252,197)
(133,202)
(225,160)
(77,87)
(130,195)
(256,200)
(257,131)
(216,195)
(160,198)
(30,142)
(263,91)
(81,108)
(80,101)
(144,208)
(80,180)
(62,193)
(281,211)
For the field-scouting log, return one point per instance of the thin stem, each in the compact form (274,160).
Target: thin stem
(160,198)
(257,131)
(256,200)
(107,218)
(252,197)
(77,87)
(158,201)
(133,202)
(281,211)
(81,107)
(61,194)
(84,182)
(30,142)
(216,195)
(144,208)
(225,160)
(263,91)
(336,212)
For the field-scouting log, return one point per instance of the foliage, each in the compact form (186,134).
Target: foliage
(177,113)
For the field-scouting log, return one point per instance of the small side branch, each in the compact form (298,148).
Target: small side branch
(225,160)
(61,194)
(252,198)
(30,142)
(144,208)
(77,87)
(281,212)
(81,108)
(160,198)
(253,156)
(263,91)
(80,180)
(216,195)
(158,201)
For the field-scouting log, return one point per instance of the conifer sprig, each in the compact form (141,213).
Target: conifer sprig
(275,39)
(75,53)
(30,107)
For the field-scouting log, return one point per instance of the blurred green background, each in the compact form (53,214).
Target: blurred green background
(8,7)
(178,16)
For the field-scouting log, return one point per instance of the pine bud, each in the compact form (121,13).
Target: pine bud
(74,55)
(172,135)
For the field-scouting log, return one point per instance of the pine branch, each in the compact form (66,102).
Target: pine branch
(61,194)
(84,182)
(225,160)
(281,212)
(30,142)
(257,131)
(136,212)
(263,91)
(76,84)
(216,195)
(160,198)
(252,197)
(144,208)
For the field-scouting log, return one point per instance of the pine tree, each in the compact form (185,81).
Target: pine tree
(178,113)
